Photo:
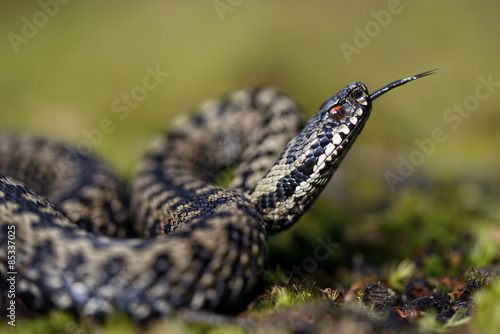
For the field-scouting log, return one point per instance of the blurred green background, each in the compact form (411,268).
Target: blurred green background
(63,66)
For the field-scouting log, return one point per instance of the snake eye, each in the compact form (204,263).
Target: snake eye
(337,112)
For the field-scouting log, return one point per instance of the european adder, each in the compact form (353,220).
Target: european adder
(176,241)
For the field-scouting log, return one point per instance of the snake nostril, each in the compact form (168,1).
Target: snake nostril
(358,95)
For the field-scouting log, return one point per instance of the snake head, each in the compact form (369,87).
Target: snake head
(344,114)
(331,132)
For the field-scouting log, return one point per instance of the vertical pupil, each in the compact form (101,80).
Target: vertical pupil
(337,112)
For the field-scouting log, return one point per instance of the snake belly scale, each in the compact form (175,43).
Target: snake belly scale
(176,241)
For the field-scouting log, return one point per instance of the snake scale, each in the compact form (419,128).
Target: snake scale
(177,240)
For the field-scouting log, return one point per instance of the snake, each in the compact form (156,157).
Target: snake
(75,237)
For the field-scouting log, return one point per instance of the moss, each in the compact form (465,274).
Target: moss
(486,249)
(430,324)
(396,274)
(280,292)
(486,318)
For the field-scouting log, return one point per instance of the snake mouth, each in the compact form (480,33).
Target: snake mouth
(339,122)
(341,138)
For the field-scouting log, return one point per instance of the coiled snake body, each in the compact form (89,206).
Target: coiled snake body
(75,254)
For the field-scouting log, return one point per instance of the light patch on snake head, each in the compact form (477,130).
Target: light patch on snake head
(337,139)
(344,129)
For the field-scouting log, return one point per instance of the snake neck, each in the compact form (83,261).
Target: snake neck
(241,134)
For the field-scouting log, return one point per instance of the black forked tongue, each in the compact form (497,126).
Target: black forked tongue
(400,82)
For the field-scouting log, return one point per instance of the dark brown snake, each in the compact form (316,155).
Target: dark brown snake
(86,253)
